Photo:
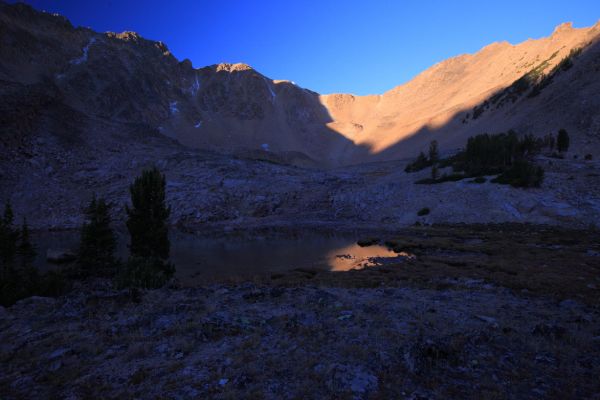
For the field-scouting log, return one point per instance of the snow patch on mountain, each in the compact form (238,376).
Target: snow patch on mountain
(84,56)
(273,95)
(193,89)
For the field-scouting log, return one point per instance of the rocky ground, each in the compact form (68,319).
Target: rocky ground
(461,319)
(247,341)
(50,182)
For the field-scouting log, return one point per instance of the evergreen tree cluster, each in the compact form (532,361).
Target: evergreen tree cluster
(493,154)
(422,161)
(147,267)
(18,276)
(507,155)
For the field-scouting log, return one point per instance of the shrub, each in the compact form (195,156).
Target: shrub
(423,211)
(52,284)
(567,62)
(442,179)
(367,242)
(549,142)
(479,179)
(144,273)
(98,242)
(421,162)
(562,141)
(522,174)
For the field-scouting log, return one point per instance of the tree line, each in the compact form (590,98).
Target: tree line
(507,155)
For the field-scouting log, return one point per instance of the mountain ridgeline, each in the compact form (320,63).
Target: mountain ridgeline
(68,80)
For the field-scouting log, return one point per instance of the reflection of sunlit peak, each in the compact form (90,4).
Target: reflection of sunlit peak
(409,256)
(356,257)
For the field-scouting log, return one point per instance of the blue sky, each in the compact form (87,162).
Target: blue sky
(330,46)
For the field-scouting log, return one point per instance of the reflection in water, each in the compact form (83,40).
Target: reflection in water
(356,257)
(202,260)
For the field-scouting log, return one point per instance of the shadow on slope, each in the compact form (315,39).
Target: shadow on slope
(550,98)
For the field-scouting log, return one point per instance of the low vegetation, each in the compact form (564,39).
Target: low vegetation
(531,83)
(521,174)
(564,65)
(479,180)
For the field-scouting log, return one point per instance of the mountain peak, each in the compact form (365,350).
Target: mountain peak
(564,27)
(233,67)
(128,36)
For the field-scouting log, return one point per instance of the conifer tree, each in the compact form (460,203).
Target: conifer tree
(434,172)
(147,222)
(26,250)
(28,274)
(562,141)
(433,152)
(17,280)
(8,237)
(549,141)
(98,242)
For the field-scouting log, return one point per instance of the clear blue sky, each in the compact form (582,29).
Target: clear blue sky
(329,46)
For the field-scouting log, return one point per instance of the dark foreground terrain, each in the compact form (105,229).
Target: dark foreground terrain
(494,312)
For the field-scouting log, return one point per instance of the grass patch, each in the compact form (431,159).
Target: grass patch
(423,211)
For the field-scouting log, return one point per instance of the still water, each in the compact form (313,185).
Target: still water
(201,259)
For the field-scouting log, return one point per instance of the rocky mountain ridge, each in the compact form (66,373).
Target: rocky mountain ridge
(125,79)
